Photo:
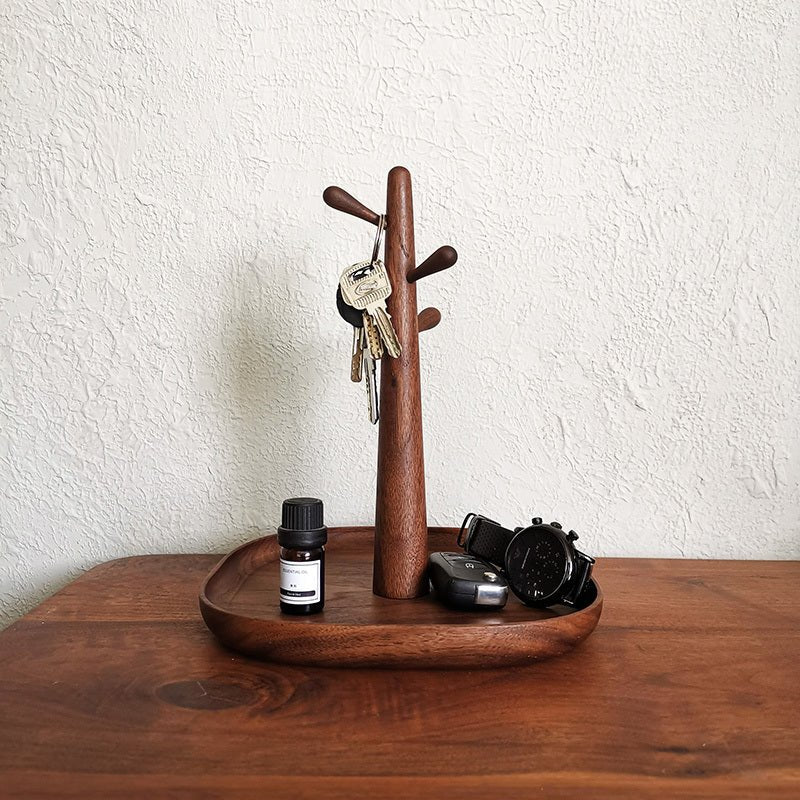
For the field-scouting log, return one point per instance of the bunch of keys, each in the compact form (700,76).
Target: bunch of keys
(361,300)
(362,364)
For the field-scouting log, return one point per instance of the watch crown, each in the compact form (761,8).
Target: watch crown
(572,536)
(536,521)
(556,525)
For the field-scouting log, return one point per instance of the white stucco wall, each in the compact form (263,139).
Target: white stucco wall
(620,340)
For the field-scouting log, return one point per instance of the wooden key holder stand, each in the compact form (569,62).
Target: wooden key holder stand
(393,622)
(401,526)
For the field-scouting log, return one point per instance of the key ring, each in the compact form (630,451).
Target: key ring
(378,237)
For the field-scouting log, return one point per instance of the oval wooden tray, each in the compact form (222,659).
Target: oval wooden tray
(239,603)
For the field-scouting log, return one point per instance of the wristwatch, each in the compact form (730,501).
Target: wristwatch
(540,562)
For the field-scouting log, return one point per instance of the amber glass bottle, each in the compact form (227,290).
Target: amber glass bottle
(302,537)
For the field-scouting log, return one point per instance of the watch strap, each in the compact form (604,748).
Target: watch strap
(485,539)
(583,574)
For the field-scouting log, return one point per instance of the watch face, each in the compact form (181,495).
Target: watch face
(537,564)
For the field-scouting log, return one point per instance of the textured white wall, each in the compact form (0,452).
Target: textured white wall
(625,174)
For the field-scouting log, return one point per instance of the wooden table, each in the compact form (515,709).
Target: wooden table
(690,687)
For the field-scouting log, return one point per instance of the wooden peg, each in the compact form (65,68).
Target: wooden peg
(343,201)
(428,318)
(440,259)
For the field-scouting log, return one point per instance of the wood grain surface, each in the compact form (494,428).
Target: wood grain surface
(441,259)
(401,525)
(343,201)
(114,688)
(361,629)
(428,319)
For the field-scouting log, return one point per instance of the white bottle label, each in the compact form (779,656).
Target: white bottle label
(300,582)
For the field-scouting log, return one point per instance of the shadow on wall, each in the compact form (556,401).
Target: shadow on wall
(268,384)
(14,604)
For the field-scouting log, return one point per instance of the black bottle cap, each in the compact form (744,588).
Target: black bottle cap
(302,523)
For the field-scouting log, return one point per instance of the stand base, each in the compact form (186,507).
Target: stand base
(239,603)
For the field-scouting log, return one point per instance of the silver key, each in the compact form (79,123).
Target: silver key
(366,286)
(388,334)
(372,386)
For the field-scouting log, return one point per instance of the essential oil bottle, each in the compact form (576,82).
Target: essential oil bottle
(302,537)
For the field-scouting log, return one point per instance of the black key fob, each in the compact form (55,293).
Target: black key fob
(465,582)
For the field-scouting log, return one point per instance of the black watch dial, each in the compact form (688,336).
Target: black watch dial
(538,564)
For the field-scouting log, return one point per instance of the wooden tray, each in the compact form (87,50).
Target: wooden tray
(239,603)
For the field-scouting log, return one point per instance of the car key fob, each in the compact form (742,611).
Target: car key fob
(464,582)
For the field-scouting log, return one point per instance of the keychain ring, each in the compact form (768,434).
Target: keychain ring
(378,237)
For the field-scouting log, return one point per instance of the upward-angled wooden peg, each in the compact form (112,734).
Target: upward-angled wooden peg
(440,259)
(343,201)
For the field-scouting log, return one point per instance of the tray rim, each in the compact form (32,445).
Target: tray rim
(217,616)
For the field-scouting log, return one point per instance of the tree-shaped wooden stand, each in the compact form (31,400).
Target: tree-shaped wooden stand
(388,621)
(401,527)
